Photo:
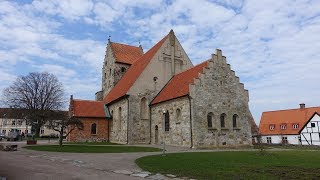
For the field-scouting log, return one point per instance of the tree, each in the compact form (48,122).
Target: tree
(60,121)
(38,93)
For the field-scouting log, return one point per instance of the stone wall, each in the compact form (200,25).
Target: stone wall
(85,134)
(219,91)
(119,123)
(179,132)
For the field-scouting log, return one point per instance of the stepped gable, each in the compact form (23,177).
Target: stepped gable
(125,83)
(289,117)
(88,108)
(125,53)
(178,86)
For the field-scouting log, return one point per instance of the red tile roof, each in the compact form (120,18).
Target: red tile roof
(287,117)
(87,108)
(125,53)
(178,86)
(125,83)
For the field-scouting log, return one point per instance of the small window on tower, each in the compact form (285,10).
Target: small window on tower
(105,75)
(110,72)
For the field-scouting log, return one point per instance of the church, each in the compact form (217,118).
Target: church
(159,95)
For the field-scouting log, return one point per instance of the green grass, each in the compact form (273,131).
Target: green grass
(91,149)
(92,143)
(236,165)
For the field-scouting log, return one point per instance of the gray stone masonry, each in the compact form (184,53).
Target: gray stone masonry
(218,91)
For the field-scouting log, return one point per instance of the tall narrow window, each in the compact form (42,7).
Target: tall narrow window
(144,109)
(222,120)
(178,113)
(234,120)
(94,128)
(209,119)
(119,118)
(166,121)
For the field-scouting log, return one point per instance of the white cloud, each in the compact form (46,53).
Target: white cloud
(272,45)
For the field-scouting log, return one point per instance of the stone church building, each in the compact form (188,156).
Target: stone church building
(160,95)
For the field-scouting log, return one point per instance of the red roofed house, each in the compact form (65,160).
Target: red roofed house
(292,126)
(160,96)
(94,119)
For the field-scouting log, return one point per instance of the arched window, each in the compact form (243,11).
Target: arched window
(234,120)
(144,109)
(119,118)
(166,121)
(94,128)
(209,119)
(222,120)
(178,113)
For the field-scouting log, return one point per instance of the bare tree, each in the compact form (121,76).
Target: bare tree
(61,122)
(38,93)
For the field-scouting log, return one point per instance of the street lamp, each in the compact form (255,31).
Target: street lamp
(164,132)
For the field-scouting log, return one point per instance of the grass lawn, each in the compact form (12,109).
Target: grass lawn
(92,143)
(91,149)
(236,165)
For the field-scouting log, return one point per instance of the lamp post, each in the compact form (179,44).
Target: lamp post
(164,133)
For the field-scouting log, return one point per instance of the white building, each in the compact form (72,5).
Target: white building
(11,119)
(292,126)
(310,134)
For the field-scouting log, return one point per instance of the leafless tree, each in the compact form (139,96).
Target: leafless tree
(36,92)
(61,122)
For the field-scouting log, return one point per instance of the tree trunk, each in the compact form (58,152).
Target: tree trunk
(37,133)
(61,137)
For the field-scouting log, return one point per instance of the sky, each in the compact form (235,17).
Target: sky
(272,45)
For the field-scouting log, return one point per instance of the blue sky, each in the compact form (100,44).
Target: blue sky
(272,45)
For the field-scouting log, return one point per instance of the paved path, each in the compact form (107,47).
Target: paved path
(28,164)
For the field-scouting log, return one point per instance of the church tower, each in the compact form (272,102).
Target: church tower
(118,58)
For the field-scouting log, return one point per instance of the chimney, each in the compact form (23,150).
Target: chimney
(302,106)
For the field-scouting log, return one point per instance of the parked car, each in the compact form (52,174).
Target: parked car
(13,135)
(2,136)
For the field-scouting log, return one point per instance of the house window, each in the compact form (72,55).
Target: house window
(269,140)
(283,126)
(284,140)
(222,120)
(166,121)
(94,128)
(295,126)
(20,123)
(123,69)
(13,123)
(26,131)
(42,131)
(234,120)
(313,124)
(271,127)
(209,119)
(299,138)
(4,131)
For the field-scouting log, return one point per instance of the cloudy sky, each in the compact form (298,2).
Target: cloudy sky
(273,45)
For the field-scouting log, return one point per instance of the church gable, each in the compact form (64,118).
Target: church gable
(169,60)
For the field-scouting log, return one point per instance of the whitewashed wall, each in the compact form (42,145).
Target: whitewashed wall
(311,135)
(277,139)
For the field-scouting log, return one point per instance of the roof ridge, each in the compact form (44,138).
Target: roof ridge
(292,109)
(125,44)
(86,100)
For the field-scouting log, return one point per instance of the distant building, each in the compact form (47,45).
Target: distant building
(11,119)
(292,126)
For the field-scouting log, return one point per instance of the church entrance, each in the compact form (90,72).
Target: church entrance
(156,135)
